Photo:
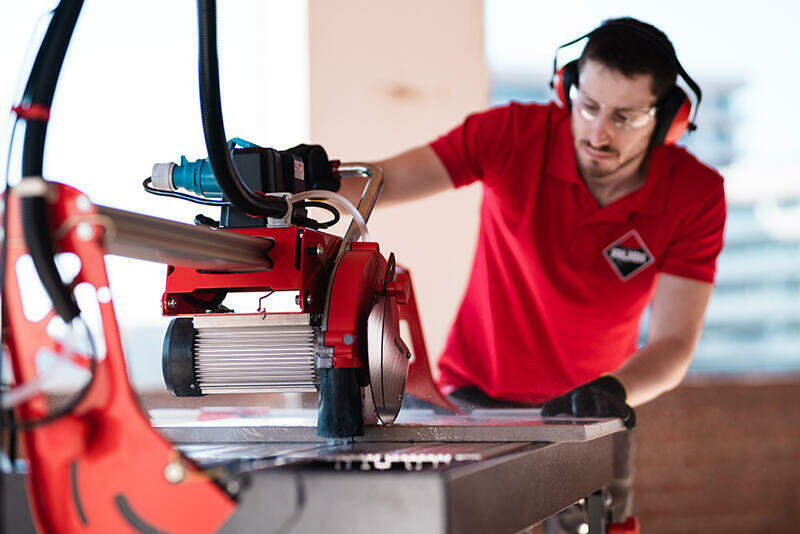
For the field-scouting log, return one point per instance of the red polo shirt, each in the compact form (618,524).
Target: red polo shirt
(559,284)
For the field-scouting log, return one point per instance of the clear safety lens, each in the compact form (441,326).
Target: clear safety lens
(627,119)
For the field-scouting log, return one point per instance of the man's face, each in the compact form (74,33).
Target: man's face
(612,121)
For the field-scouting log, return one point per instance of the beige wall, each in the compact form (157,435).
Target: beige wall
(386,76)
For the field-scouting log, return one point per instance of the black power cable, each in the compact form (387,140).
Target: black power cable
(300,221)
(316,225)
(183,196)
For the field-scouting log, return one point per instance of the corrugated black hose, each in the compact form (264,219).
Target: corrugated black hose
(39,92)
(218,153)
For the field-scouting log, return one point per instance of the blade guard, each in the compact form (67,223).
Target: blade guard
(369,298)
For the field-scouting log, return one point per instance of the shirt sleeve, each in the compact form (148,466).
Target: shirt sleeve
(693,253)
(479,147)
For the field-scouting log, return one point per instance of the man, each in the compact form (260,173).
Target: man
(585,219)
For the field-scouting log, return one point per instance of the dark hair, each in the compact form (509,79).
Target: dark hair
(629,46)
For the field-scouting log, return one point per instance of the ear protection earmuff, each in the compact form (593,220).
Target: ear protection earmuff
(672,110)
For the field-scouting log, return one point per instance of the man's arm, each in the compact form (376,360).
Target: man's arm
(413,174)
(676,321)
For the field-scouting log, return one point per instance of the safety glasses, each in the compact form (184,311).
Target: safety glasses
(623,119)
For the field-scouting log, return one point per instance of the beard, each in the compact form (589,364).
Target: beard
(593,169)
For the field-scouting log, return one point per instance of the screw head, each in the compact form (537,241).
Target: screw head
(174,472)
(172,303)
(233,487)
(320,250)
(104,294)
(83,203)
(308,299)
(84,231)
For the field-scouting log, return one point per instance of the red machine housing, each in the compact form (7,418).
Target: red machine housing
(355,288)
(302,258)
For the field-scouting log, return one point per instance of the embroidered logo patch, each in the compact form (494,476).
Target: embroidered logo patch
(628,255)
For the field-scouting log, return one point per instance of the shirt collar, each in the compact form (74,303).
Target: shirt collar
(650,198)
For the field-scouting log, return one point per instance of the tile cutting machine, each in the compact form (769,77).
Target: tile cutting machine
(96,464)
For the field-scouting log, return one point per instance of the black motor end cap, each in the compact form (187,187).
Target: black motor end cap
(177,358)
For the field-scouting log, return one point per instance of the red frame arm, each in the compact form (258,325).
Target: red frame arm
(101,468)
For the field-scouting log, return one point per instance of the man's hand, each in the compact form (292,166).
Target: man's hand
(602,397)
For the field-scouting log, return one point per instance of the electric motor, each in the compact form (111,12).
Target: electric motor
(243,353)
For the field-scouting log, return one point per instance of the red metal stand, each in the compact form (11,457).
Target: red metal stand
(100,468)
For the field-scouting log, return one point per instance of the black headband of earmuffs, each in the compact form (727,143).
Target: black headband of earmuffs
(658,42)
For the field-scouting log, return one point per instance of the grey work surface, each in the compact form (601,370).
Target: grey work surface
(489,471)
(501,494)
(229,426)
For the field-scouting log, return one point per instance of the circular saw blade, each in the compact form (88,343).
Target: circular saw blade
(388,360)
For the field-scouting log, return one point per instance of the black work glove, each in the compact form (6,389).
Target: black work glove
(602,397)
